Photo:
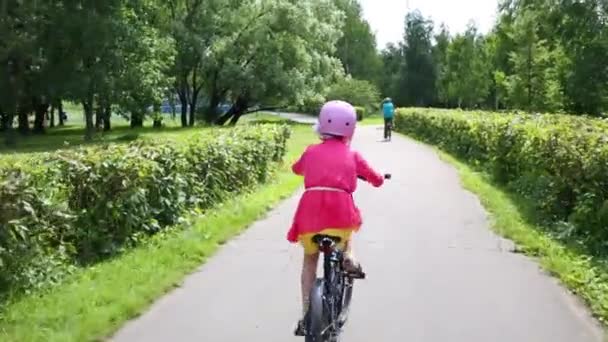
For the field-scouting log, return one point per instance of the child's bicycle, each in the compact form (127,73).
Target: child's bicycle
(331,295)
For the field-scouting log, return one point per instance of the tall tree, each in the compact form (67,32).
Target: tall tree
(357,46)
(280,52)
(581,27)
(417,84)
(534,84)
(468,72)
(440,58)
(392,59)
(194,25)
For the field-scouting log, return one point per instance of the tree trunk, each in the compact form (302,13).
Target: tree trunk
(52,117)
(88,115)
(529,80)
(214,102)
(40,110)
(24,125)
(137,120)
(194,97)
(7,128)
(98,118)
(193,108)
(184,113)
(236,111)
(182,92)
(107,116)
(157,123)
(61,113)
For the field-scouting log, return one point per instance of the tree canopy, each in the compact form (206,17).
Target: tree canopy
(541,55)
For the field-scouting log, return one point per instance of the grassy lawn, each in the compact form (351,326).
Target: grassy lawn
(96,301)
(375,119)
(72,135)
(513,218)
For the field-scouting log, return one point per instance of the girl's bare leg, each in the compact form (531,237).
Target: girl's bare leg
(309,274)
(350,262)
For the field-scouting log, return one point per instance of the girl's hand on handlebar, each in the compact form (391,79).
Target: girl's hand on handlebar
(386,176)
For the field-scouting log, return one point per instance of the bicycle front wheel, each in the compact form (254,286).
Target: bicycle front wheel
(317,315)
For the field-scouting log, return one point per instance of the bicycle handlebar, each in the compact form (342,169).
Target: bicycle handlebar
(386,176)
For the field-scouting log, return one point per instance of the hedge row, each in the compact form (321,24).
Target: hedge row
(76,207)
(558,162)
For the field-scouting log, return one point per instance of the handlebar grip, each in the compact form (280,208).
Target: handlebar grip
(386,176)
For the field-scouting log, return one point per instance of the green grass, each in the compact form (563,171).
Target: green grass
(375,119)
(511,217)
(261,117)
(98,300)
(72,135)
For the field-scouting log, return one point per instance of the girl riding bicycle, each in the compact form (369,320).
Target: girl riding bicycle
(330,171)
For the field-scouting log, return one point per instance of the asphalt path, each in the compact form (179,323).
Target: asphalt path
(436,272)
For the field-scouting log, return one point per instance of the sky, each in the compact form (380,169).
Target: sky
(386,17)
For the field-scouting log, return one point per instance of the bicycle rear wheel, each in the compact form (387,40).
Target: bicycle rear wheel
(317,315)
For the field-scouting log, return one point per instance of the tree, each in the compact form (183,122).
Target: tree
(357,92)
(279,52)
(468,73)
(19,64)
(357,46)
(194,26)
(440,58)
(417,83)
(534,84)
(581,28)
(147,60)
(392,59)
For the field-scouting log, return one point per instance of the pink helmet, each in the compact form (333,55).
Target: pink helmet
(337,118)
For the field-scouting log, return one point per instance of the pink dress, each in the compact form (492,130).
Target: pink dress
(330,164)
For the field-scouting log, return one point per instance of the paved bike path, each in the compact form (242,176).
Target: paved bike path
(435,272)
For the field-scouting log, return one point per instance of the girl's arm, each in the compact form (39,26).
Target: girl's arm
(365,170)
(298,166)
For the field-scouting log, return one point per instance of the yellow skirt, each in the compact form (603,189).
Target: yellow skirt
(311,248)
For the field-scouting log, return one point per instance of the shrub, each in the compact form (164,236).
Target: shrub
(82,205)
(310,105)
(33,223)
(558,162)
(356,92)
(360,113)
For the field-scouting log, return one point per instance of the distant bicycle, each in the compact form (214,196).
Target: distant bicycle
(331,295)
(388,130)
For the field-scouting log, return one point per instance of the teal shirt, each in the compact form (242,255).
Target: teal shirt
(388,109)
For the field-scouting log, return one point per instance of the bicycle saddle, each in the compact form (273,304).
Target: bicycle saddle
(325,239)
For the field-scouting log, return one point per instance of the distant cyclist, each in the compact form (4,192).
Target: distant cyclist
(388,110)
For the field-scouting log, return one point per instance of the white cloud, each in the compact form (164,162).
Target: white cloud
(386,17)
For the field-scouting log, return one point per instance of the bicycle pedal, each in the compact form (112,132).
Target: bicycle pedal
(357,275)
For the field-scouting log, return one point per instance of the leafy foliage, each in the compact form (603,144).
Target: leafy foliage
(559,162)
(541,56)
(356,92)
(361,112)
(83,205)
(357,46)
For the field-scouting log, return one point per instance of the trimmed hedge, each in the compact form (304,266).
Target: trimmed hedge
(80,206)
(558,162)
